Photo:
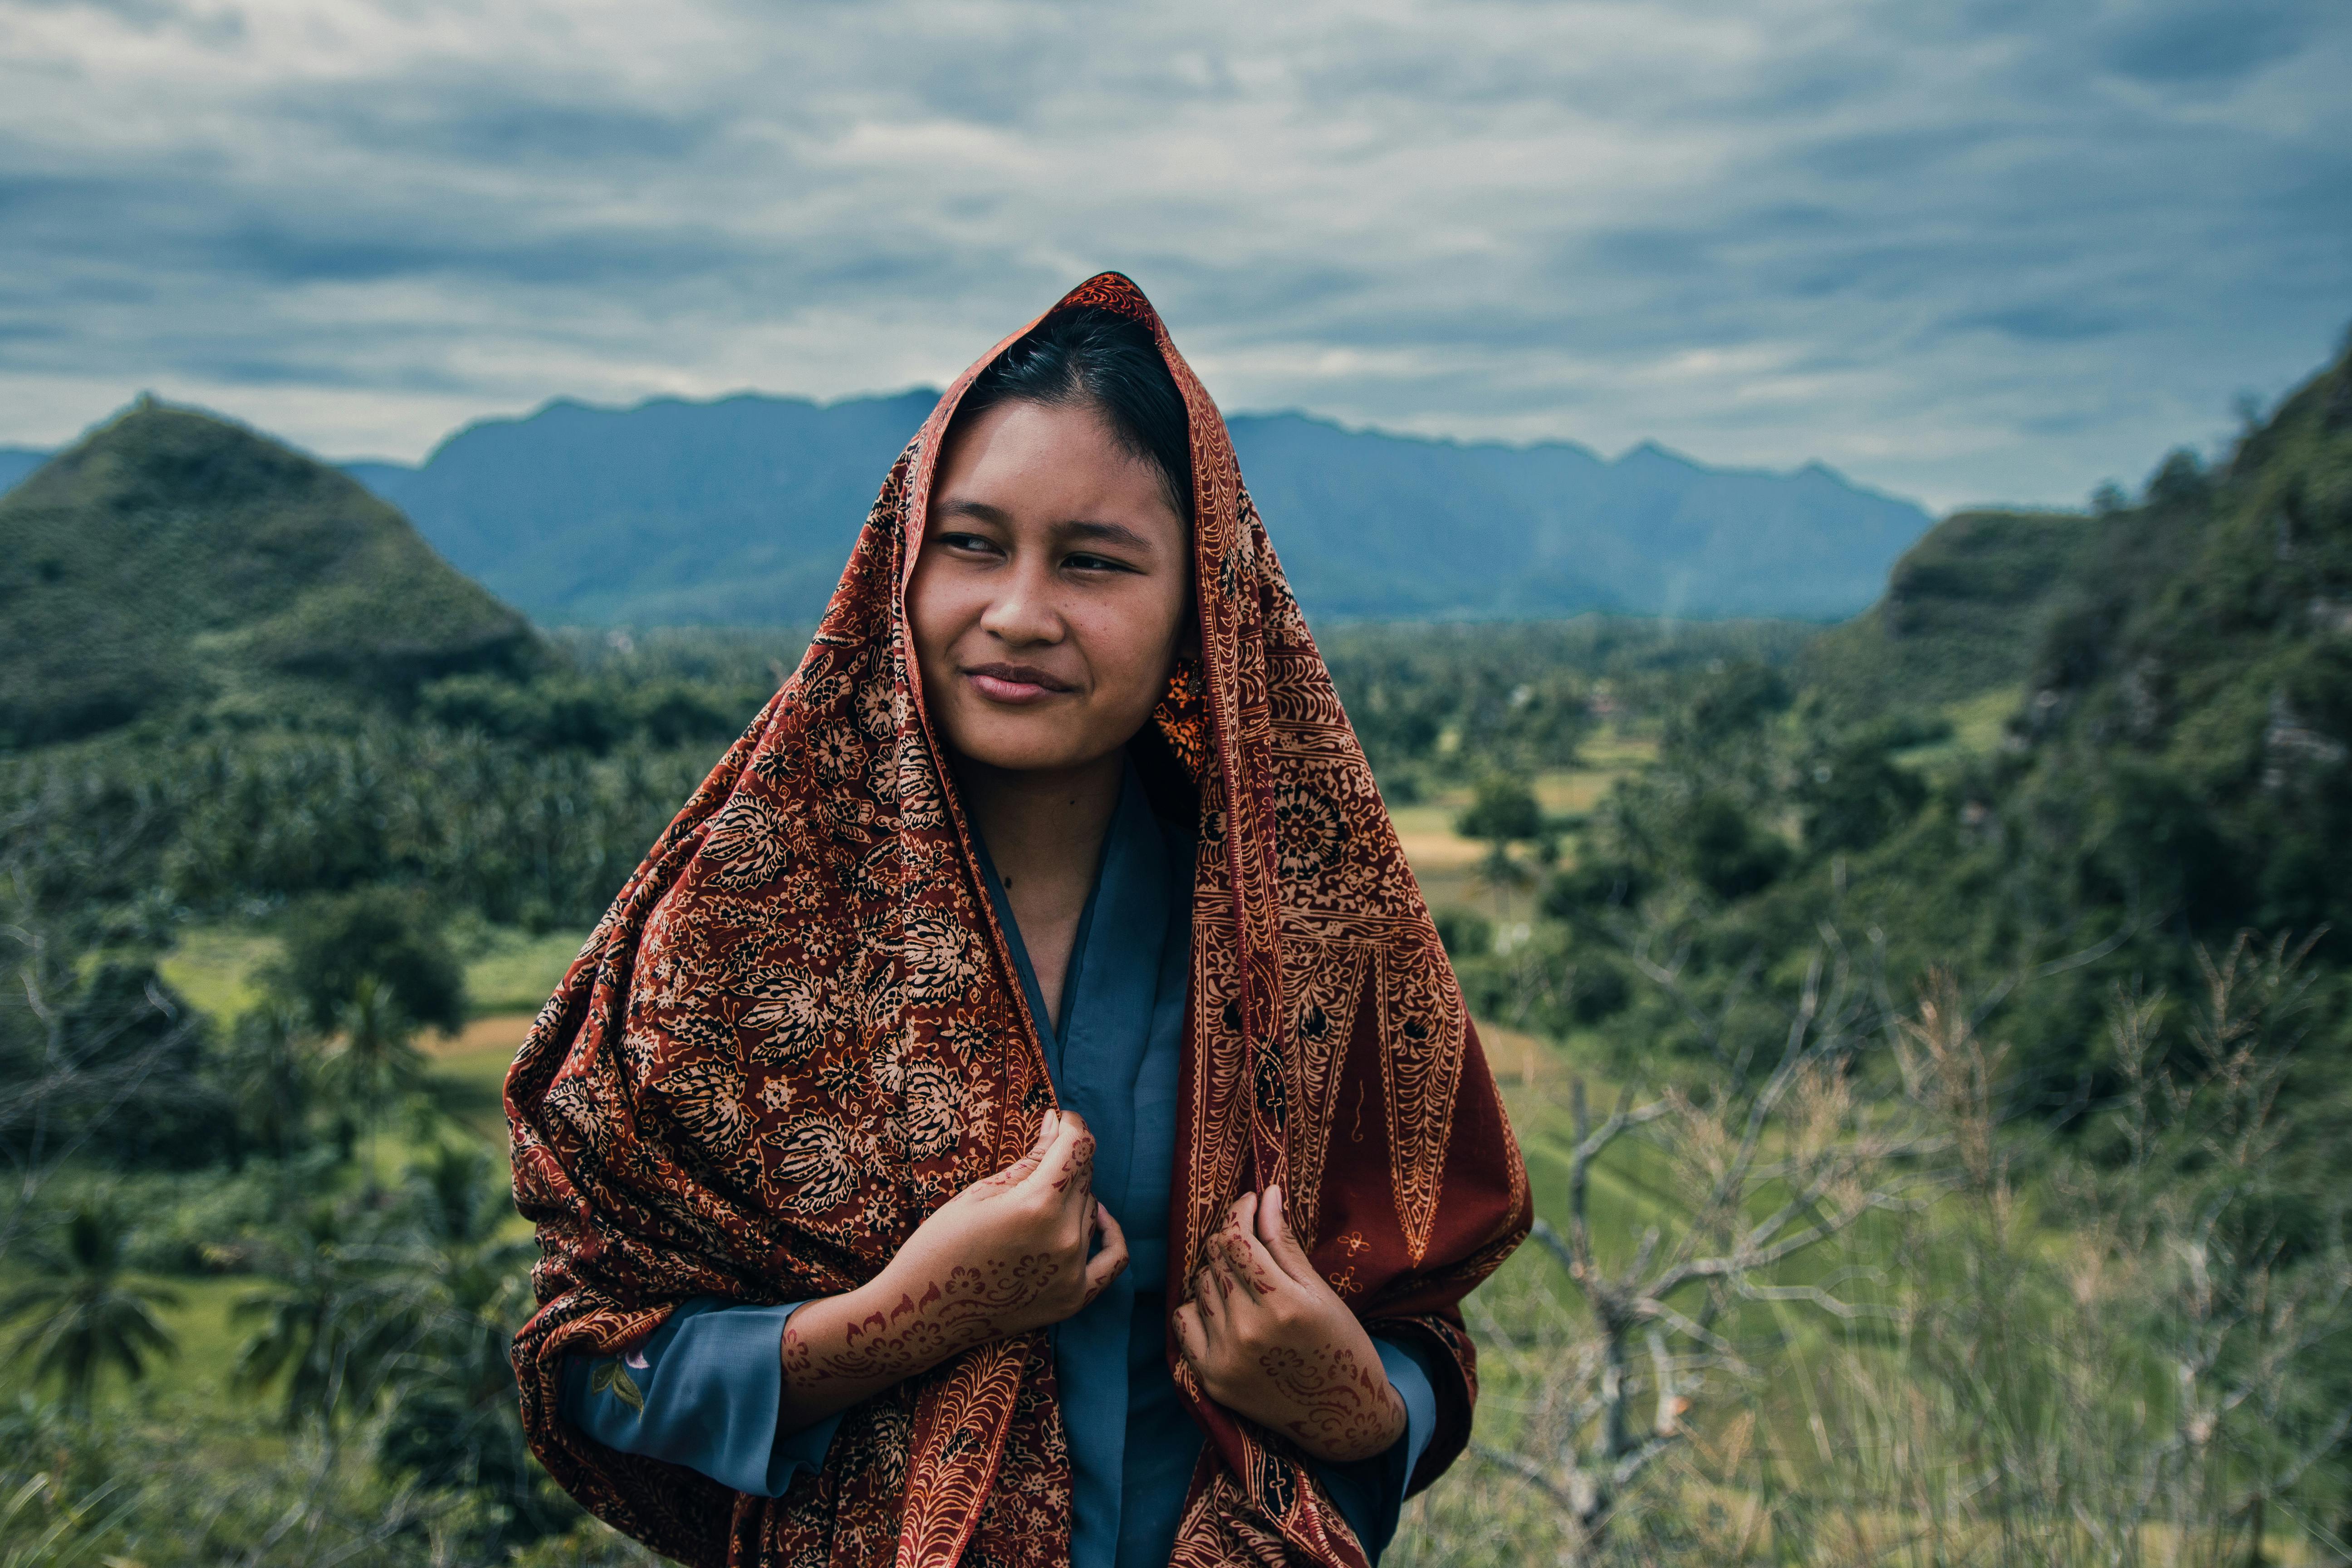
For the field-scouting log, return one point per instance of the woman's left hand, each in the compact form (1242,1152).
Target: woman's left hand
(1270,1340)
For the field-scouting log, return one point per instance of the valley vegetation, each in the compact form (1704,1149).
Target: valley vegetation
(1929,1037)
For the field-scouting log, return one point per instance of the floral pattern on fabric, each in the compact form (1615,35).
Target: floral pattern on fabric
(798,1031)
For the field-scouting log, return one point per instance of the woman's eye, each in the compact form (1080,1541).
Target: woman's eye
(1085,562)
(969,543)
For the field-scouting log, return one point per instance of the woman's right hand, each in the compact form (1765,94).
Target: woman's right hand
(1009,1252)
(1007,1255)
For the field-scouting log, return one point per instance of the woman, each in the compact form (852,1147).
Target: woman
(1020,1112)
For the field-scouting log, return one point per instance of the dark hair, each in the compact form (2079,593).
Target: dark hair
(1098,357)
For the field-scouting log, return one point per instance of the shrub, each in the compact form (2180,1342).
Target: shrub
(334,943)
(1728,853)
(1504,810)
(1464,934)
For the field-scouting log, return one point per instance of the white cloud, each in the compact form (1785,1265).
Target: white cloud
(1973,252)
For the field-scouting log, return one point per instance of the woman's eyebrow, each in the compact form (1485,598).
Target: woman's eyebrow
(1108,533)
(978,511)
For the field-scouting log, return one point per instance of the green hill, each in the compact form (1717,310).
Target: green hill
(2180,755)
(2165,761)
(1964,612)
(174,563)
(2192,704)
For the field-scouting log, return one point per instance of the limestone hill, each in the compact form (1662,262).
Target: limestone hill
(2192,701)
(1965,612)
(2181,734)
(174,563)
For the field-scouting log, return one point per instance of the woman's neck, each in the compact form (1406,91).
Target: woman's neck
(1045,834)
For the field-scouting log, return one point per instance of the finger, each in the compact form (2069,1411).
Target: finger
(1077,1183)
(1281,1242)
(1210,1289)
(1044,1163)
(1227,1249)
(1238,1221)
(1192,1336)
(1244,1259)
(1068,1163)
(1218,1262)
(1021,1169)
(1110,1262)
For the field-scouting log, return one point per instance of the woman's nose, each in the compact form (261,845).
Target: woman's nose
(1024,610)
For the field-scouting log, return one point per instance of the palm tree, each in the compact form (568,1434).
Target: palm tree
(377,1061)
(1504,809)
(454,1424)
(323,1324)
(89,1313)
(463,1276)
(271,1070)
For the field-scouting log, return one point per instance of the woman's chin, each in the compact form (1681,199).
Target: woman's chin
(1026,761)
(1018,748)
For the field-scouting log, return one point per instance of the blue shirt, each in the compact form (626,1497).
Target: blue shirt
(704,1390)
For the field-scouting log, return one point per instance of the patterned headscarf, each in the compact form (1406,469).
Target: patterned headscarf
(798,1031)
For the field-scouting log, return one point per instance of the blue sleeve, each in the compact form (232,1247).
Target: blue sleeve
(705,1390)
(1370,1492)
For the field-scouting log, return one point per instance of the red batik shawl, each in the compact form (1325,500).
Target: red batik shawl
(798,1031)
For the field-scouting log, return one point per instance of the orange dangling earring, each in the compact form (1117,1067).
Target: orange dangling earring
(1182,716)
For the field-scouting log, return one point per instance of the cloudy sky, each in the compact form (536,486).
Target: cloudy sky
(1961,249)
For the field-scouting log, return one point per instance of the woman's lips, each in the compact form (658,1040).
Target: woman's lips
(1014,683)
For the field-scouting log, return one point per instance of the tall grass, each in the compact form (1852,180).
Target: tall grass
(2119,1350)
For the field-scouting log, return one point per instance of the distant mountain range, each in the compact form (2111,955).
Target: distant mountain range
(742,511)
(735,512)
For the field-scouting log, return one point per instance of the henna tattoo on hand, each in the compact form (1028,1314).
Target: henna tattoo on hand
(999,1258)
(1333,1404)
(1268,1337)
(1080,1171)
(1244,1264)
(918,1333)
(1341,1408)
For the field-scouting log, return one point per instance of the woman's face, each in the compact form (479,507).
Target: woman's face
(1054,586)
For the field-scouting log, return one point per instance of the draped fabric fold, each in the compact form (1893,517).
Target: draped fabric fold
(798,1031)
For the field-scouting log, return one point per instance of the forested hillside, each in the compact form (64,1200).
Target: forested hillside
(173,562)
(2170,765)
(1963,613)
